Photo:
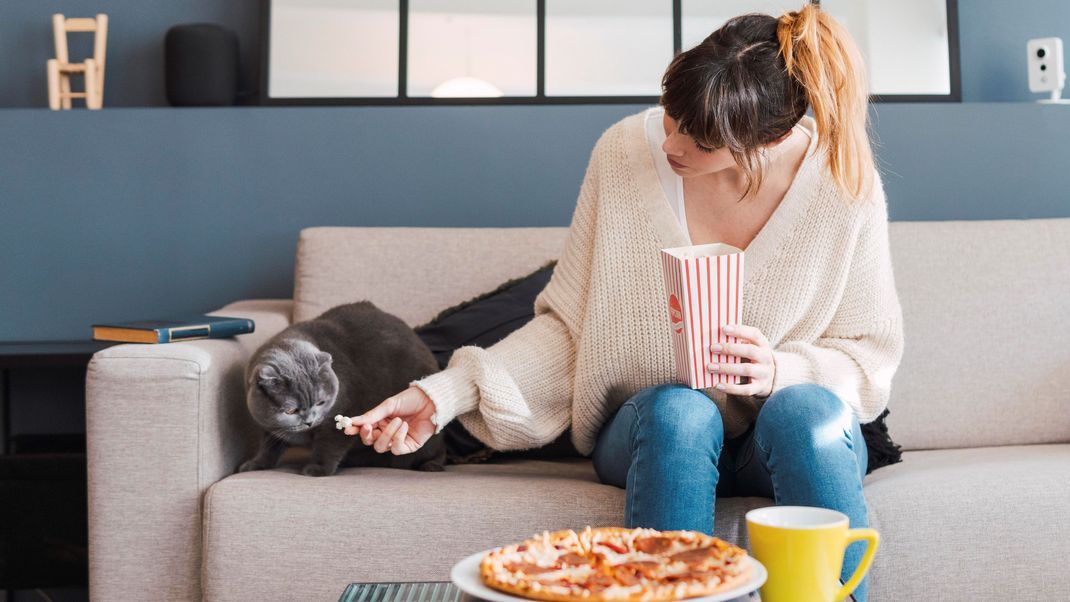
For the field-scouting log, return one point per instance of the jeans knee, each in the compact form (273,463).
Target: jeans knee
(808,414)
(675,416)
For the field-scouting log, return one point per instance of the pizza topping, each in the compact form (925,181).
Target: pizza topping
(653,545)
(529,567)
(573,559)
(629,573)
(615,547)
(692,556)
(599,582)
(687,576)
(625,575)
(612,564)
(647,568)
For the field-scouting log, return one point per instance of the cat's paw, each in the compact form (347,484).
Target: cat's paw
(315,470)
(250,465)
(431,466)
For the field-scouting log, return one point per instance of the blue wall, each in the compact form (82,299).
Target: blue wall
(134,213)
(141,212)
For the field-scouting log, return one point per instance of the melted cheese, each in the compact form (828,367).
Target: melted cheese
(540,550)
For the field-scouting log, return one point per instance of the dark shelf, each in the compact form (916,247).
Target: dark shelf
(16,354)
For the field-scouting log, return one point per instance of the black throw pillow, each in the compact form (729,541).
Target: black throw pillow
(483,321)
(490,317)
(486,319)
(882,450)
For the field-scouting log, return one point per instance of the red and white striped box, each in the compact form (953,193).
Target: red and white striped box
(702,293)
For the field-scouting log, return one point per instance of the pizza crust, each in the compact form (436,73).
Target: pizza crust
(615,563)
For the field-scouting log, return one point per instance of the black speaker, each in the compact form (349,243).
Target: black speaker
(202,65)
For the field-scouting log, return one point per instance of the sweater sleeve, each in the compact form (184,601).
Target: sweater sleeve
(517,393)
(862,346)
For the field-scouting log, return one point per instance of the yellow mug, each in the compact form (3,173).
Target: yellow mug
(802,548)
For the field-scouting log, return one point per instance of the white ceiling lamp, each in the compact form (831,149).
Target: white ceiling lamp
(466,86)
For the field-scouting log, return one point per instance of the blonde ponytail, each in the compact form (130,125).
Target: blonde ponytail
(822,56)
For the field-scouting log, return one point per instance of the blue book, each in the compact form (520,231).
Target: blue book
(170,331)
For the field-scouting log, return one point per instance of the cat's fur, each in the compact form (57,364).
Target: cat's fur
(347,360)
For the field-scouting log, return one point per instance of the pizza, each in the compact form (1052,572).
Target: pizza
(615,563)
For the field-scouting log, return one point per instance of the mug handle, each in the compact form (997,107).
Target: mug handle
(872,538)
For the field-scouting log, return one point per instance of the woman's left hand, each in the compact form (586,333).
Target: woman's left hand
(757,357)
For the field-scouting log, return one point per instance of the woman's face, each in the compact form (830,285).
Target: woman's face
(688,159)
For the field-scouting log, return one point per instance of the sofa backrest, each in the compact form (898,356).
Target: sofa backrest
(986,309)
(413,273)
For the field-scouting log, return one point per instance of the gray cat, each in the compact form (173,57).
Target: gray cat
(345,361)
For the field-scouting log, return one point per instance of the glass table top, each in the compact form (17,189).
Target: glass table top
(426,591)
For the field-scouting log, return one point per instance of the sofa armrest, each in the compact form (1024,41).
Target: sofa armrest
(164,422)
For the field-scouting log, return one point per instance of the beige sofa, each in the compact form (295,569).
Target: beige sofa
(978,510)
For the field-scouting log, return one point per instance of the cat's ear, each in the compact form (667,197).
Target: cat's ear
(323,359)
(268,377)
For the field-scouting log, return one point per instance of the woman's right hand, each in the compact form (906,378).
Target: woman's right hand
(401,423)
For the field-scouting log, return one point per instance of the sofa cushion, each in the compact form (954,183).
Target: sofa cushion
(275,531)
(413,272)
(987,358)
(973,524)
(949,520)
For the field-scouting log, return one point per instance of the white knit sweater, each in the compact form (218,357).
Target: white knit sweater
(818,284)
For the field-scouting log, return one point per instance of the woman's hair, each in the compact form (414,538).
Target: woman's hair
(752,80)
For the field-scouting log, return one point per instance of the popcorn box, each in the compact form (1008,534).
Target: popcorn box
(702,293)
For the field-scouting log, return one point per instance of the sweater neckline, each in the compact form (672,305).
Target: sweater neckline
(668,229)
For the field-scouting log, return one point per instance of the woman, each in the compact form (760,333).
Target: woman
(821,332)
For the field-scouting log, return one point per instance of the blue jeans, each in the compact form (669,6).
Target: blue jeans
(666,447)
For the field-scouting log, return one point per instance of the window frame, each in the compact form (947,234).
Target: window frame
(540,97)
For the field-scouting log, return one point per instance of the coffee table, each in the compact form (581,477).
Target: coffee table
(427,591)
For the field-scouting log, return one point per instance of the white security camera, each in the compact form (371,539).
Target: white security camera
(1046,74)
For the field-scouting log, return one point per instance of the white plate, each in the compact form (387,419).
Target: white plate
(465,575)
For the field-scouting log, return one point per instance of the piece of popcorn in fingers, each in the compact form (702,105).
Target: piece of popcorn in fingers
(342,422)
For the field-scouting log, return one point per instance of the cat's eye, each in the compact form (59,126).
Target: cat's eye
(319,403)
(291,411)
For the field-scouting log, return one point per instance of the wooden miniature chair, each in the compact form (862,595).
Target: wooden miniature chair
(60,68)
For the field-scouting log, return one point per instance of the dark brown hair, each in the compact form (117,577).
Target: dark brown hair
(750,81)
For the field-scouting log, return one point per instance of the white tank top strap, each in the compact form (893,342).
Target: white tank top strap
(671,183)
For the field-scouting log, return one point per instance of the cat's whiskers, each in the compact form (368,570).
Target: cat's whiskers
(278,433)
